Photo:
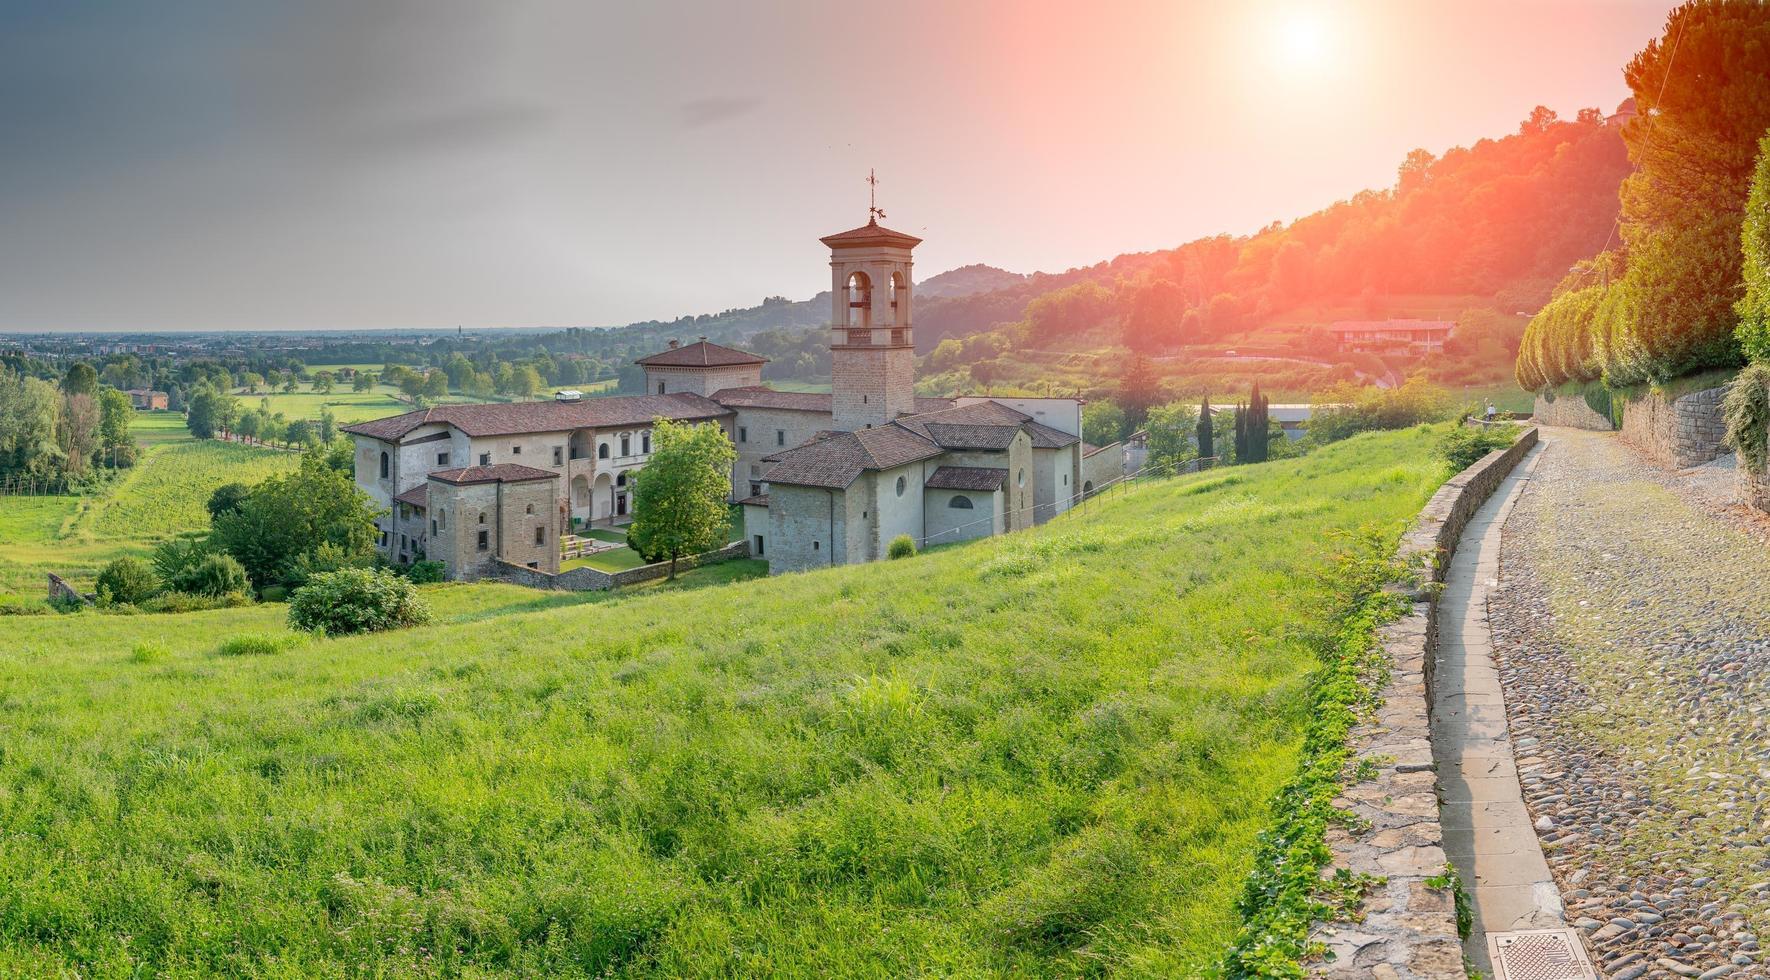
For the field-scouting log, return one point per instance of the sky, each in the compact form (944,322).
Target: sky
(426,164)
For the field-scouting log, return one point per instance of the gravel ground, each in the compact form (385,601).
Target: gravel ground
(1632,631)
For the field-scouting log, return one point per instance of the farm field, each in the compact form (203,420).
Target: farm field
(162,496)
(1045,754)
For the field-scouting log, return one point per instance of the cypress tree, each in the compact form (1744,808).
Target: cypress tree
(1241,433)
(1205,449)
(1256,426)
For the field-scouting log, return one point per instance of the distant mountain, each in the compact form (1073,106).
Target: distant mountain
(967,280)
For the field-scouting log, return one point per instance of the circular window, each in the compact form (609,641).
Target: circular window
(900,485)
(1020,478)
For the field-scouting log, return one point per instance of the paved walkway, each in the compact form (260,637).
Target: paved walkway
(1487,829)
(1632,637)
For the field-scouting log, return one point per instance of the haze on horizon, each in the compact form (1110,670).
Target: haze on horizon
(426,164)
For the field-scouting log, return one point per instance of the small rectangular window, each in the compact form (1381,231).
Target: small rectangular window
(433,525)
(645,443)
(780,437)
(402,542)
(814,546)
(755,489)
(743,433)
(540,535)
(558,455)
(758,548)
(484,540)
(516,450)
(442,459)
(485,459)
(626,445)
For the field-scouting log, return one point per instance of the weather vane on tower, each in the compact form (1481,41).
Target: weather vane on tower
(874,211)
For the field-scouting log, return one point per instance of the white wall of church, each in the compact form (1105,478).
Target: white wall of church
(947,523)
(1055,472)
(898,512)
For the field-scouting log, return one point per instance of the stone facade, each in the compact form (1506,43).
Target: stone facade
(1102,467)
(948,523)
(1408,930)
(703,381)
(1682,433)
(762,432)
(808,527)
(1570,411)
(481,524)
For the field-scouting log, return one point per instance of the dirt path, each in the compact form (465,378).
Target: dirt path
(1632,630)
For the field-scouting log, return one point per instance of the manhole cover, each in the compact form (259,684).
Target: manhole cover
(1539,954)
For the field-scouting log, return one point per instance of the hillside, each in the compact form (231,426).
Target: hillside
(1042,754)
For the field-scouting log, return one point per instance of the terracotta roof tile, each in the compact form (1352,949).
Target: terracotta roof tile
(493,419)
(701,354)
(418,496)
(495,473)
(967,478)
(836,461)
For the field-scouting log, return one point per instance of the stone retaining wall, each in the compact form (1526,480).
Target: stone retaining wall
(1409,929)
(585,579)
(1681,433)
(1571,411)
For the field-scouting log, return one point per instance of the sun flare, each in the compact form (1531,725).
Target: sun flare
(1304,39)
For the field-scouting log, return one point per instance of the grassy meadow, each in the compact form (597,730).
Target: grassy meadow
(1046,754)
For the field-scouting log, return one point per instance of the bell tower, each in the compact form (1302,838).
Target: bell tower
(872,344)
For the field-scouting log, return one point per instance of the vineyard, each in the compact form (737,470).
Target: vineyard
(161,497)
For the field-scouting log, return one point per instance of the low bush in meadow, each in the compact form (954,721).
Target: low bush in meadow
(1464,445)
(356,600)
(128,581)
(256,645)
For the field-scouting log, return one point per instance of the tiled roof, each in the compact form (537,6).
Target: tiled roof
(871,233)
(967,478)
(495,473)
(757,500)
(701,354)
(418,496)
(836,461)
(960,427)
(762,396)
(493,419)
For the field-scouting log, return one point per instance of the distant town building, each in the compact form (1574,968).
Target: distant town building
(146,400)
(1381,336)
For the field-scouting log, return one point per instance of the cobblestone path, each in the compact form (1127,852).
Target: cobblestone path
(1632,632)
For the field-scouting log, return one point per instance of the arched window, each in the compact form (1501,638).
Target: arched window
(530,509)
(602,451)
(900,293)
(860,303)
(620,479)
(482,517)
(960,502)
(1020,477)
(626,445)
(442,517)
(383,466)
(1088,486)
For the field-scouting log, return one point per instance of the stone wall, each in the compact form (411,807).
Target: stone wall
(1681,433)
(584,579)
(1409,929)
(1570,411)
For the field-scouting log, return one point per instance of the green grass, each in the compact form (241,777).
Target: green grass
(347,406)
(1044,754)
(157,428)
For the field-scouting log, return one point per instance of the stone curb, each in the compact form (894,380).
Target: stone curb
(1409,928)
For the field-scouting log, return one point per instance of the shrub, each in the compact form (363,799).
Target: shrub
(1345,409)
(1754,306)
(1672,313)
(147,653)
(1464,445)
(183,602)
(226,499)
(216,575)
(356,600)
(274,593)
(1747,411)
(328,557)
(28,608)
(902,546)
(128,581)
(256,645)
(174,560)
(425,572)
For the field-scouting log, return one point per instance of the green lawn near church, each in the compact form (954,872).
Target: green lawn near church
(1043,754)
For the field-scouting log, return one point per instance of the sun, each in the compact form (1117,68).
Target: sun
(1305,39)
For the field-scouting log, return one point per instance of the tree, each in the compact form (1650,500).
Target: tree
(1103,423)
(81,379)
(127,581)
(362,381)
(479,385)
(1170,429)
(251,382)
(1540,120)
(327,428)
(679,503)
(1673,311)
(115,413)
(525,381)
(226,499)
(289,383)
(299,433)
(323,382)
(1258,432)
(1157,311)
(1206,429)
(30,412)
(207,413)
(1138,390)
(78,434)
(436,385)
(1414,171)
(288,516)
